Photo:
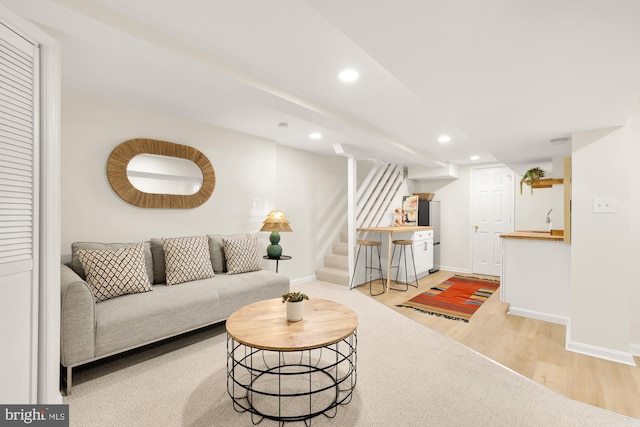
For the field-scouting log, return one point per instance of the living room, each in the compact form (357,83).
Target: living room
(255,175)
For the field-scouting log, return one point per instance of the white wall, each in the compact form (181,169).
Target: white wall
(634,227)
(312,192)
(246,167)
(605,302)
(455,237)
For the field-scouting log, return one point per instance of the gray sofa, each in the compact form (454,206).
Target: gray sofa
(93,330)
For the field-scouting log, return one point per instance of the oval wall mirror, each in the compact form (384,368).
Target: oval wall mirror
(158,174)
(161,174)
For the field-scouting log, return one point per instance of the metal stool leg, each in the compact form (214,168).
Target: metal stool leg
(371,268)
(402,260)
(400,251)
(368,268)
(355,268)
(415,272)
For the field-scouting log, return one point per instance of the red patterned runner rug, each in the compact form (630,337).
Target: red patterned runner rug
(456,298)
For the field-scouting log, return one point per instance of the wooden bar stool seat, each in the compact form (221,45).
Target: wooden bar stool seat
(369,268)
(369,243)
(402,255)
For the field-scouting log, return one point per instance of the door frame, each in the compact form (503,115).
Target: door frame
(471,203)
(48,370)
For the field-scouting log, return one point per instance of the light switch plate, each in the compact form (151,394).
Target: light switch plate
(604,204)
(256,202)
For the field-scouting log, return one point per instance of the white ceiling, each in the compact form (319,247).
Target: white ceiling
(501,77)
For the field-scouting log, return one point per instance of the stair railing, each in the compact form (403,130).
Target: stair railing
(376,194)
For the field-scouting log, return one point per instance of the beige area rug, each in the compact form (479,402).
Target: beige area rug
(408,375)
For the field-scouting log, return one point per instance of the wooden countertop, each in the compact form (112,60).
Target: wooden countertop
(397,228)
(532,235)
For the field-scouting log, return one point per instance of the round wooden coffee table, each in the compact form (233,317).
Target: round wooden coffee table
(291,371)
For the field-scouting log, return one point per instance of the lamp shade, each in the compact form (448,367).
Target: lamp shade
(275,222)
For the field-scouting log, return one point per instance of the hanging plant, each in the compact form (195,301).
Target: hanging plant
(531,175)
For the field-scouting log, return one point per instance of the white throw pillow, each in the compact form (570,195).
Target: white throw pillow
(187,259)
(242,255)
(115,272)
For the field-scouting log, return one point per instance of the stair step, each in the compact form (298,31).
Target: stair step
(331,275)
(339,262)
(344,236)
(340,248)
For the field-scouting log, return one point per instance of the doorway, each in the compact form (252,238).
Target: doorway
(492,214)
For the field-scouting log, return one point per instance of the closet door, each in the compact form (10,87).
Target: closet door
(18,217)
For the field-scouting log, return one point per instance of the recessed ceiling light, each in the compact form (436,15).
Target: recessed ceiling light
(315,135)
(444,139)
(348,75)
(474,158)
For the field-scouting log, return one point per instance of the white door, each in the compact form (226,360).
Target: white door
(18,218)
(492,209)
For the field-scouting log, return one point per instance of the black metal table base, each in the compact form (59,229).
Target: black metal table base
(291,386)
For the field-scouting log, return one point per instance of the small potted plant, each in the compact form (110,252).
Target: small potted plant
(531,175)
(295,306)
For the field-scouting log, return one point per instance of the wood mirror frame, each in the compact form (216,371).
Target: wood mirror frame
(123,153)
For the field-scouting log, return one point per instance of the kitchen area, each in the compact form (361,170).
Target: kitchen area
(418,221)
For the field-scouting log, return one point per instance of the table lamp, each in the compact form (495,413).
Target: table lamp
(275,223)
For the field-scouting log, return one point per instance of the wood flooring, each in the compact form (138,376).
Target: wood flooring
(534,348)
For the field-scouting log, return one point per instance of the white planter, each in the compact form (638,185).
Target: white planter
(295,310)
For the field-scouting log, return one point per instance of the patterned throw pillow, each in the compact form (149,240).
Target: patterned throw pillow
(187,259)
(242,255)
(115,272)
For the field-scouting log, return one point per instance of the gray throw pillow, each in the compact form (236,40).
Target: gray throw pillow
(159,265)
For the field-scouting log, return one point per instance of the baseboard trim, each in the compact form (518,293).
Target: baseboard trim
(454,269)
(303,280)
(635,349)
(599,352)
(545,317)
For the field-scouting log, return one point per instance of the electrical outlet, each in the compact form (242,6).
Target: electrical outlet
(604,204)
(256,202)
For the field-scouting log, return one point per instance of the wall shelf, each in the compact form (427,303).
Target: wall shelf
(545,182)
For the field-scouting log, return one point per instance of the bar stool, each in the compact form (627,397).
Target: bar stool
(402,254)
(369,268)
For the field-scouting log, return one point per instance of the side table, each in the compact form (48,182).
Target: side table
(277,260)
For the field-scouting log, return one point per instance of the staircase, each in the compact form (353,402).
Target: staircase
(336,264)
(374,200)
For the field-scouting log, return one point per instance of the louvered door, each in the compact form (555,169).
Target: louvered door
(18,216)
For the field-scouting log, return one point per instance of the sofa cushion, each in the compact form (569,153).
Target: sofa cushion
(76,265)
(159,264)
(241,254)
(216,248)
(171,310)
(187,259)
(114,272)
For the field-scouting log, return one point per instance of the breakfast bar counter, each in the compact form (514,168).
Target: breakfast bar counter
(533,235)
(390,230)
(536,275)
